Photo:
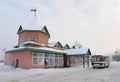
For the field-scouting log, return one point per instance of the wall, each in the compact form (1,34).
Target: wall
(38,36)
(24,58)
(78,60)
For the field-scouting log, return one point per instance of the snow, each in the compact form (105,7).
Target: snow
(41,48)
(72,74)
(51,49)
(77,51)
(30,42)
(12,48)
(52,44)
(32,25)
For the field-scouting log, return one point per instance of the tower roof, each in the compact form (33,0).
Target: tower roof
(52,44)
(41,29)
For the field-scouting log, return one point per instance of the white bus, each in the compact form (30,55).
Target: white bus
(100,61)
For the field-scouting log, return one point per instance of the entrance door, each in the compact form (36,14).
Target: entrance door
(17,63)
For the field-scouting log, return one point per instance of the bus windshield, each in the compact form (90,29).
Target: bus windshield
(97,58)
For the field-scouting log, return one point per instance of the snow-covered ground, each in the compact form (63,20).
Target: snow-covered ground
(72,74)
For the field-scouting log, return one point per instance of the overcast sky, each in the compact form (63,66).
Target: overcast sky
(93,23)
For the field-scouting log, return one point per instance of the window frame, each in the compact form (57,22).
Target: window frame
(21,40)
(31,38)
(43,41)
(50,57)
(38,58)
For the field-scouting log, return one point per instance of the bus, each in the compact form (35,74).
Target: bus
(100,61)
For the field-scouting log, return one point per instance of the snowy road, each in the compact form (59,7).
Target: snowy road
(75,74)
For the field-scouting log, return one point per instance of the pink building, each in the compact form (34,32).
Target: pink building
(35,51)
(32,51)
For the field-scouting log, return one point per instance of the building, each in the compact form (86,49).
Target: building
(78,57)
(56,45)
(32,51)
(35,51)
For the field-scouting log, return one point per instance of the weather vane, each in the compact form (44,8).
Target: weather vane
(34,10)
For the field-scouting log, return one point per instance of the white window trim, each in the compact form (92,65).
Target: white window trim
(50,56)
(38,58)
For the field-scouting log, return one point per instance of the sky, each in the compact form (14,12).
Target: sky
(95,24)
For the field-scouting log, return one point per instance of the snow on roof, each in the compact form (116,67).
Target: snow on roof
(34,24)
(13,48)
(42,49)
(77,51)
(52,44)
(32,27)
(64,44)
(29,42)
(51,49)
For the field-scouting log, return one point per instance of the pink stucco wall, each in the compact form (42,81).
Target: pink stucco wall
(25,59)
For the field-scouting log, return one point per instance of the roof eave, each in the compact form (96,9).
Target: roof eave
(32,31)
(35,50)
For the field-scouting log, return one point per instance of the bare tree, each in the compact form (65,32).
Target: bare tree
(77,45)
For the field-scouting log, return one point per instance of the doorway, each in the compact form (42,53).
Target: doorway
(17,63)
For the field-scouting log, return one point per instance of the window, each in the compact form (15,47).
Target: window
(21,40)
(52,59)
(35,60)
(59,60)
(43,41)
(72,60)
(80,59)
(38,58)
(31,38)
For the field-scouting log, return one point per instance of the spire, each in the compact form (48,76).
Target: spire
(34,10)
(33,22)
(20,29)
